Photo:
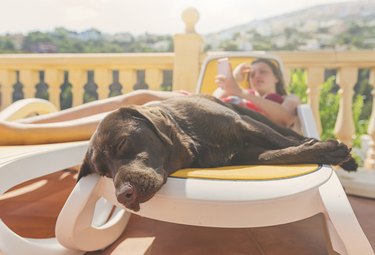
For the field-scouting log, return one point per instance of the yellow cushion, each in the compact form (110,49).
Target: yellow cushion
(253,172)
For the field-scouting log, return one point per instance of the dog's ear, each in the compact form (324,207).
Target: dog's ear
(156,122)
(85,169)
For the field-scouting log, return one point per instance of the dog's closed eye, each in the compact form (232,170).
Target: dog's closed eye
(120,146)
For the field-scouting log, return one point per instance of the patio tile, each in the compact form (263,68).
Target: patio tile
(302,237)
(364,209)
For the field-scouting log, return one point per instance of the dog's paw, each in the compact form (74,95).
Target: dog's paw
(349,165)
(331,152)
(337,152)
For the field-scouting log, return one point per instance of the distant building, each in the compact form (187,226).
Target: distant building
(43,47)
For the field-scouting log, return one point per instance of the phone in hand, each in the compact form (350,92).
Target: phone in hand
(223,66)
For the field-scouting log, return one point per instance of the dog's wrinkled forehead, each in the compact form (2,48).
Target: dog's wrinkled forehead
(114,125)
(111,131)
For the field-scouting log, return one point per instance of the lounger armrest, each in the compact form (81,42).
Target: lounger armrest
(27,107)
(307,120)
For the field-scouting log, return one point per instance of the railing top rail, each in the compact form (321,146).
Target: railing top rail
(7,60)
(362,58)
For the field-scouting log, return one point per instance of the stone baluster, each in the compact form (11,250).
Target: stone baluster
(370,157)
(315,78)
(77,78)
(54,78)
(103,78)
(7,79)
(344,128)
(154,78)
(188,48)
(127,79)
(29,79)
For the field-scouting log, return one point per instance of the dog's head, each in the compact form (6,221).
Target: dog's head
(130,145)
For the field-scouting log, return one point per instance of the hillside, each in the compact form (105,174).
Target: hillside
(340,26)
(347,25)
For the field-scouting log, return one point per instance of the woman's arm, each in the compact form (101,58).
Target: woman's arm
(284,114)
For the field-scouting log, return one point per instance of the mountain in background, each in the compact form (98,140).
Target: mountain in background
(347,25)
(339,26)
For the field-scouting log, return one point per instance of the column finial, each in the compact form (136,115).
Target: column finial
(190,16)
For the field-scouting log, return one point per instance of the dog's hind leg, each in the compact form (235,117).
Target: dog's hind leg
(261,118)
(329,152)
(261,134)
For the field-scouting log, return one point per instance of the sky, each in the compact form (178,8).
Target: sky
(138,16)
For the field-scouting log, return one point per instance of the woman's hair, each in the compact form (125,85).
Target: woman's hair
(280,85)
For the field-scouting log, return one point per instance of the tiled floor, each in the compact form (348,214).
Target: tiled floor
(37,218)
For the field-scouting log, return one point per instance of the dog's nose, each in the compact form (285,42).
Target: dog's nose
(126,194)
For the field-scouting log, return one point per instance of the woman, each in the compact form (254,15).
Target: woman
(79,123)
(266,91)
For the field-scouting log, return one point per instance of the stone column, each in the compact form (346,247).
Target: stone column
(344,128)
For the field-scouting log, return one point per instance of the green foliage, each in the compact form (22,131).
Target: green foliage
(6,45)
(361,125)
(362,105)
(298,84)
(91,41)
(329,103)
(229,46)
(328,108)
(66,96)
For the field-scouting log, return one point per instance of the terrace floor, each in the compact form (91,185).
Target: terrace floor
(31,211)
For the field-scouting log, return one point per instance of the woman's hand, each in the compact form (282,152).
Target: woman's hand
(240,72)
(227,86)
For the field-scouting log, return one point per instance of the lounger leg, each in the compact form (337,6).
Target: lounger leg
(76,225)
(346,234)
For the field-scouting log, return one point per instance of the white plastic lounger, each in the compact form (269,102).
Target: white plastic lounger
(22,163)
(35,161)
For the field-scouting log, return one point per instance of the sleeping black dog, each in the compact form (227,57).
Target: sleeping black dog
(139,146)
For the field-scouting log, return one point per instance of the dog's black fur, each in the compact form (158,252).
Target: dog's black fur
(139,146)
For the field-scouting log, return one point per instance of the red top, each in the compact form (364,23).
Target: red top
(272,96)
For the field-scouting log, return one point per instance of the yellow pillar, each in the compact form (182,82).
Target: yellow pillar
(54,78)
(370,157)
(344,128)
(315,78)
(188,48)
(7,79)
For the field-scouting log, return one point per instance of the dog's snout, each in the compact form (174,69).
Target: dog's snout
(126,194)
